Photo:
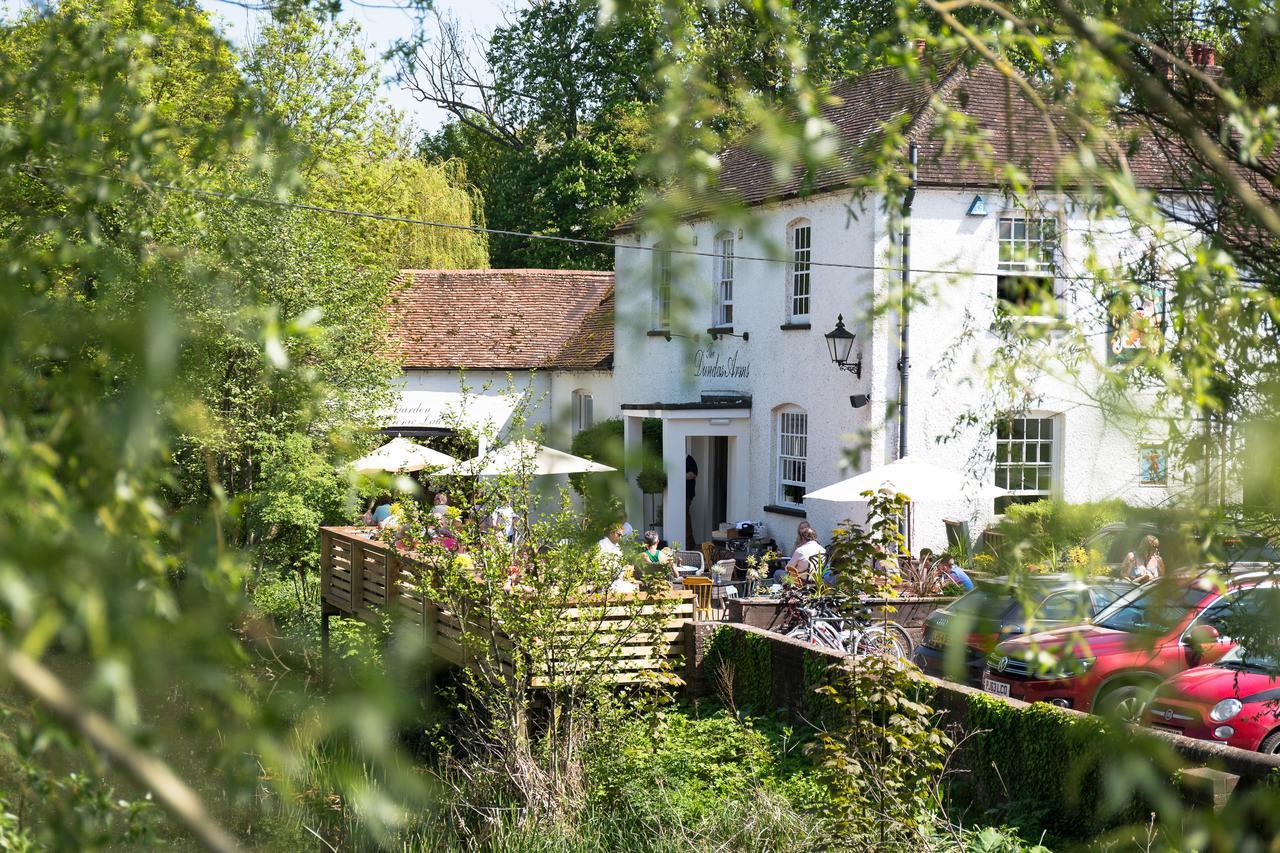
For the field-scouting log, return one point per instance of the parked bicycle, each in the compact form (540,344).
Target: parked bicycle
(829,621)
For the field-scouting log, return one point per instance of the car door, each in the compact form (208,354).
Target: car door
(1232,608)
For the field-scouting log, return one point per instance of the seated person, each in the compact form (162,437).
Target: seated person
(802,559)
(953,573)
(608,544)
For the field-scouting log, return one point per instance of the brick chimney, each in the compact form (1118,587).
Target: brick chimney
(1198,54)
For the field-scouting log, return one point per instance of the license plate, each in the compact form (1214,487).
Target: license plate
(998,688)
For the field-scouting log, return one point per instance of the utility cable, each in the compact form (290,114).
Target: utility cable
(237,198)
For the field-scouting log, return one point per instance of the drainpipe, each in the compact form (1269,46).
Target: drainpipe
(904,311)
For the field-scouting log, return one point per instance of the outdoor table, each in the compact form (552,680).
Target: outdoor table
(720,590)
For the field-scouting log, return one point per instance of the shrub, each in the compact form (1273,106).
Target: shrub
(1037,533)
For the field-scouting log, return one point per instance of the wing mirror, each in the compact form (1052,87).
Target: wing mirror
(1203,635)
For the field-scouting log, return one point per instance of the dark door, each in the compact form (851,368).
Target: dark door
(719,480)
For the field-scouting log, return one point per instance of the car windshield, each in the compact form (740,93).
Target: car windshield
(986,602)
(1262,660)
(1150,608)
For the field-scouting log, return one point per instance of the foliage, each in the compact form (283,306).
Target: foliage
(1007,765)
(555,122)
(740,665)
(688,764)
(153,344)
(298,491)
(1041,531)
(60,809)
(315,76)
(547,610)
(881,761)
(866,561)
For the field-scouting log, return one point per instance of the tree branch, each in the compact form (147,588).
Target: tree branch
(1182,121)
(174,795)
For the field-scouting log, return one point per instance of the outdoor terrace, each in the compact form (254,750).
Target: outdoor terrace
(632,636)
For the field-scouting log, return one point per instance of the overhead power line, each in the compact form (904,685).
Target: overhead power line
(237,198)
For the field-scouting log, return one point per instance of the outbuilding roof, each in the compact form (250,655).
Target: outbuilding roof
(521,319)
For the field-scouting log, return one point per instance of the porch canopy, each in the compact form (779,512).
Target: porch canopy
(418,412)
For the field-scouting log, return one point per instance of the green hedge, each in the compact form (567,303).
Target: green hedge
(750,657)
(1045,766)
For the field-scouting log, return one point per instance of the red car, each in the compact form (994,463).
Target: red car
(1112,665)
(1235,701)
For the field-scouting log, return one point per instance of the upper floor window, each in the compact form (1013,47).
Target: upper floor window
(723,279)
(661,287)
(582,416)
(793,456)
(1028,259)
(1026,459)
(799,286)
(1137,318)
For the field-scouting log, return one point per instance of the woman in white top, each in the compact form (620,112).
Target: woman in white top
(800,558)
(1148,565)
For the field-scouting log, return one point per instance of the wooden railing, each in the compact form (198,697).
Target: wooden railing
(365,579)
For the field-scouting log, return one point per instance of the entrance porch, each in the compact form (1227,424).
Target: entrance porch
(715,433)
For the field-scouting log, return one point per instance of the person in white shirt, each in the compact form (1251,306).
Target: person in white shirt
(441,504)
(801,557)
(609,544)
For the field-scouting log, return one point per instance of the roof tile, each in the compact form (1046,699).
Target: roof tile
(521,319)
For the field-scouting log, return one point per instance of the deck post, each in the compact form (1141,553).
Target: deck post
(325,615)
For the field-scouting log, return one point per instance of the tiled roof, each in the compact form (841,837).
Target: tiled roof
(502,319)
(1018,133)
(591,347)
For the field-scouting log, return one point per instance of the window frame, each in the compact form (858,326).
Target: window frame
(662,274)
(789,441)
(722,278)
(581,410)
(800,269)
(1008,465)
(1037,260)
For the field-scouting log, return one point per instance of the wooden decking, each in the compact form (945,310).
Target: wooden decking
(365,579)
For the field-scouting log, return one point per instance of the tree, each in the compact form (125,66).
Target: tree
(556,122)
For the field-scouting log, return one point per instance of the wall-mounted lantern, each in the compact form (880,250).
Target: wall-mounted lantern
(840,346)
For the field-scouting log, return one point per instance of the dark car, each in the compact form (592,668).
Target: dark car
(995,611)
(1180,545)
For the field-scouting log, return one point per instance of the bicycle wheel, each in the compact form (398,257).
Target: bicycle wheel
(891,640)
(817,634)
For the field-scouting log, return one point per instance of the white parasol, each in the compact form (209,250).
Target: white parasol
(401,454)
(522,455)
(919,481)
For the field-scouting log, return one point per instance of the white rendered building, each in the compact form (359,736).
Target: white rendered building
(725,344)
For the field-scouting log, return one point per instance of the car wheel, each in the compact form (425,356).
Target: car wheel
(1271,744)
(1124,703)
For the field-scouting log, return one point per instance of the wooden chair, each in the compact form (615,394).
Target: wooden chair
(701,587)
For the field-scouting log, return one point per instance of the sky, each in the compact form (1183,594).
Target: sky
(381,26)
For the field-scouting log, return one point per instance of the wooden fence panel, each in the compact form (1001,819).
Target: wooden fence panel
(366,579)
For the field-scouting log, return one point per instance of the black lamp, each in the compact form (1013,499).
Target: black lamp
(840,345)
